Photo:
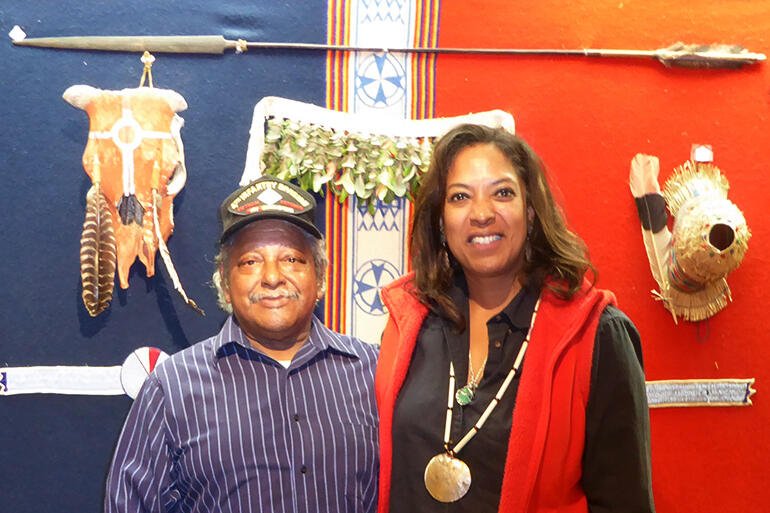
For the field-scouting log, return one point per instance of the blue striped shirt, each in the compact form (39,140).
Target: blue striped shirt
(222,427)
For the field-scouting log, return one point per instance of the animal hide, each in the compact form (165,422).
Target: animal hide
(134,157)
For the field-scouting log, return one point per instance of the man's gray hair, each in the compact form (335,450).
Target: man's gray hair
(222,260)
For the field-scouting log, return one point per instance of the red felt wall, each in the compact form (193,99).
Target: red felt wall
(587,118)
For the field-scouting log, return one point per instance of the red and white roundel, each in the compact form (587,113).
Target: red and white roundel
(137,367)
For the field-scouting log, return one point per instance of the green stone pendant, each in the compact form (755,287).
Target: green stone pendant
(465,395)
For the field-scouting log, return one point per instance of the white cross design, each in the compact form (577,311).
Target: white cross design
(136,136)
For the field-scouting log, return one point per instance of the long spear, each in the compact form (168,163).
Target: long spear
(679,54)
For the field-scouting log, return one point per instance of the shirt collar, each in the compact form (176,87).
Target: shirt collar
(230,333)
(518,313)
(324,338)
(321,338)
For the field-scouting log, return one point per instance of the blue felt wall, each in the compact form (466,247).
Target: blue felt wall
(55,449)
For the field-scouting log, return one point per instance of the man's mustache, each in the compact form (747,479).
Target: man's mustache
(256,297)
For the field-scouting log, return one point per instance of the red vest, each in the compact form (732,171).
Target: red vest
(543,467)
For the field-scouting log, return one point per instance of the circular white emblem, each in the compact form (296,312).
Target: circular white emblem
(137,367)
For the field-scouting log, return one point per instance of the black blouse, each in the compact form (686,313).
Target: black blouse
(616,459)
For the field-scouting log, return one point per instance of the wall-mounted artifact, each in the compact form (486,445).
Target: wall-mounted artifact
(359,155)
(679,54)
(127,378)
(135,159)
(688,393)
(709,236)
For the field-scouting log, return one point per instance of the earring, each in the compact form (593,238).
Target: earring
(442,235)
(528,245)
(444,250)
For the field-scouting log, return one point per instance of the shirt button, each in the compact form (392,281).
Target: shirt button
(296,417)
(498,344)
(303,469)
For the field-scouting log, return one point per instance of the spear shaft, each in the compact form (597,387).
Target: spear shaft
(679,54)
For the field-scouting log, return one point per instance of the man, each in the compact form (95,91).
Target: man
(276,413)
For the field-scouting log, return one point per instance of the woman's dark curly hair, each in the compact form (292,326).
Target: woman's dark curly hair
(559,258)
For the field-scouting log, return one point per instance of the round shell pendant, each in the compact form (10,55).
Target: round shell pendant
(465,395)
(446,478)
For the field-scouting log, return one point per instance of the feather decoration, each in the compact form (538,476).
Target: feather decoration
(166,256)
(98,256)
(643,180)
(130,210)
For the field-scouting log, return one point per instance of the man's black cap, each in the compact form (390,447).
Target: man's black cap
(268,198)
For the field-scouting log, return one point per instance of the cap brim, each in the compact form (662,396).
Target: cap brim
(298,221)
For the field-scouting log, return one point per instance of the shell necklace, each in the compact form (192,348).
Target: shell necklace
(447,477)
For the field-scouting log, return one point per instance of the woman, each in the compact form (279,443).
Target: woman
(506,381)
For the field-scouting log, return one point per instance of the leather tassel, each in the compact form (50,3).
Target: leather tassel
(98,255)
(166,256)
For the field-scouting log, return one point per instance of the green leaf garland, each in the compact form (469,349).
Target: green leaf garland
(369,167)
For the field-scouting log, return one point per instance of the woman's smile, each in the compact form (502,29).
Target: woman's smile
(484,214)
